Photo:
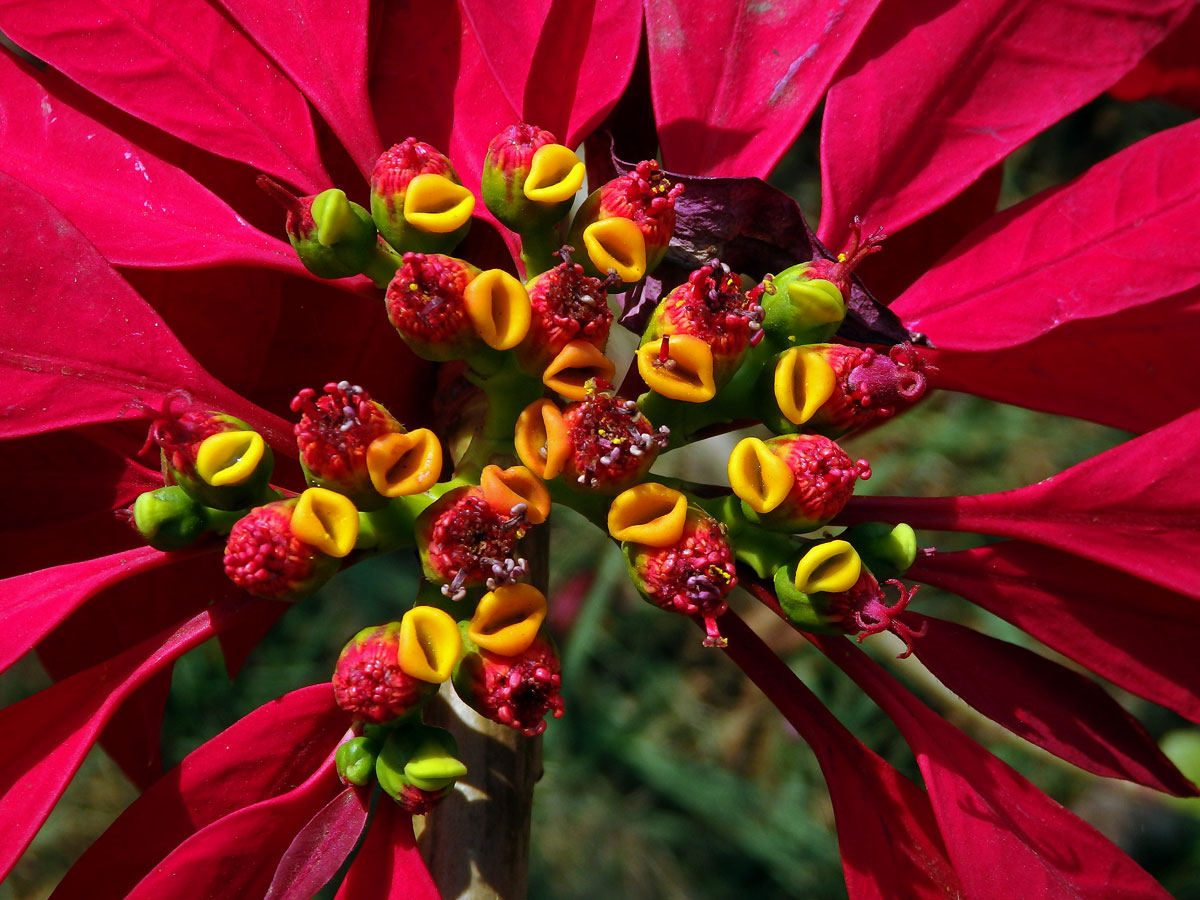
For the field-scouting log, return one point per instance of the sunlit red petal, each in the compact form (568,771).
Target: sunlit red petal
(886,829)
(137,209)
(733,87)
(322,46)
(79,344)
(1045,703)
(562,64)
(388,866)
(1135,508)
(268,753)
(932,96)
(185,69)
(1006,838)
(1137,635)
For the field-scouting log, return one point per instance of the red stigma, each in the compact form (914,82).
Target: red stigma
(180,429)
(872,386)
(612,443)
(859,248)
(425,300)
(864,610)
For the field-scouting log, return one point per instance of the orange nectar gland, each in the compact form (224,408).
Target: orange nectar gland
(650,514)
(555,175)
(679,367)
(612,444)
(435,204)
(507,620)
(403,464)
(369,682)
(499,309)
(542,439)
(327,521)
(518,490)
(426,303)
(430,644)
(529,180)
(395,171)
(828,568)
(643,196)
(616,245)
(578,365)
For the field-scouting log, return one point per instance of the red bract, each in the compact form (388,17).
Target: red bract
(138,260)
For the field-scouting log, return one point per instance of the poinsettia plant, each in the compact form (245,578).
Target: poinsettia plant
(289,287)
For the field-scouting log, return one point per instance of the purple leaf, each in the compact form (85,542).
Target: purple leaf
(321,847)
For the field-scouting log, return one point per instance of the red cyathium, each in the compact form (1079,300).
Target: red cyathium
(566,305)
(612,443)
(517,691)
(863,610)
(401,163)
(426,304)
(870,386)
(646,197)
(264,557)
(824,480)
(368,682)
(691,577)
(465,542)
(334,432)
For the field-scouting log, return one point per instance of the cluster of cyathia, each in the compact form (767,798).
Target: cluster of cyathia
(719,348)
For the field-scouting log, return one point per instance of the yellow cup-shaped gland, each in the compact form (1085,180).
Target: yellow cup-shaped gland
(616,243)
(404,464)
(650,514)
(680,367)
(430,644)
(803,382)
(507,619)
(576,364)
(515,489)
(436,204)
(326,520)
(229,457)
(498,306)
(542,438)
(817,301)
(828,568)
(758,476)
(555,174)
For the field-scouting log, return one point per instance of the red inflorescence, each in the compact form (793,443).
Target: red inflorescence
(263,557)
(566,305)
(182,428)
(710,305)
(646,196)
(612,443)
(693,576)
(870,385)
(336,429)
(519,691)
(467,542)
(368,682)
(426,300)
(864,610)
(513,148)
(825,476)
(403,162)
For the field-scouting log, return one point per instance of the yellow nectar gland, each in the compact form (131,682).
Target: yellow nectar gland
(555,174)
(513,488)
(229,457)
(758,476)
(679,367)
(616,243)
(651,514)
(404,464)
(435,204)
(431,768)
(430,644)
(828,568)
(507,619)
(499,308)
(542,438)
(803,382)
(576,364)
(326,520)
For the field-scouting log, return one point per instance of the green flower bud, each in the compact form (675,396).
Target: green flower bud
(168,519)
(355,760)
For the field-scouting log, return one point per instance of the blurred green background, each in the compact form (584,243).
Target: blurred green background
(671,776)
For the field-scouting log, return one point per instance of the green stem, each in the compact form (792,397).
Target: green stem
(538,249)
(508,391)
(381,266)
(764,551)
